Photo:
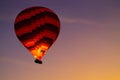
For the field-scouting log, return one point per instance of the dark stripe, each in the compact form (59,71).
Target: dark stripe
(45,40)
(28,10)
(34,18)
(38,30)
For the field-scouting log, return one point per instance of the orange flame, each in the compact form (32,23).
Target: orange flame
(39,52)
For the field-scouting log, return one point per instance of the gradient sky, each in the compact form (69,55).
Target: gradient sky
(88,47)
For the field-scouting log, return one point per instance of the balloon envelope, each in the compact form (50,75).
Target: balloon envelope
(37,28)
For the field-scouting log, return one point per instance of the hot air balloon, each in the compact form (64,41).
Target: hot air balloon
(37,28)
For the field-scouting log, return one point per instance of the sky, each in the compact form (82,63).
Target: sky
(88,47)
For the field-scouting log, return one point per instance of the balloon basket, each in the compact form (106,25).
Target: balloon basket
(38,61)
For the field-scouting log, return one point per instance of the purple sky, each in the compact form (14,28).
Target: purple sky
(88,47)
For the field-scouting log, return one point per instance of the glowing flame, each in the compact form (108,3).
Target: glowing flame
(39,52)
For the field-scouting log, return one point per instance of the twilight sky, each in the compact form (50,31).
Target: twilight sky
(88,47)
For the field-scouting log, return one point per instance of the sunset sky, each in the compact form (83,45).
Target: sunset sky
(88,47)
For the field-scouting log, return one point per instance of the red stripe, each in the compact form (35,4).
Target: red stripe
(33,12)
(35,24)
(46,33)
(31,42)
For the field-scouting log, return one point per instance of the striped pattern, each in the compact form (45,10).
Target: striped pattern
(36,26)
